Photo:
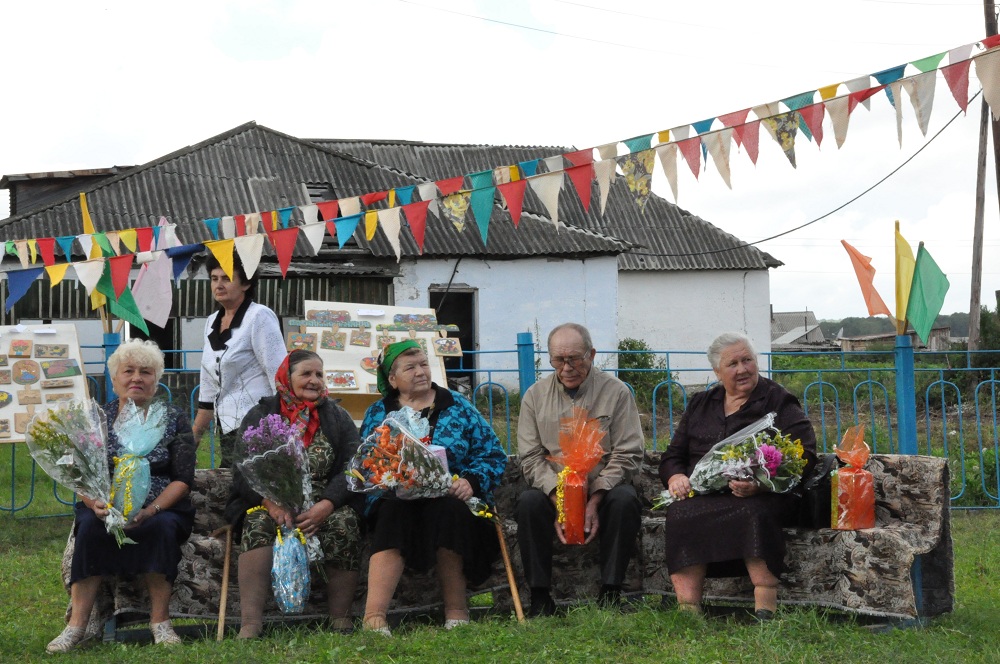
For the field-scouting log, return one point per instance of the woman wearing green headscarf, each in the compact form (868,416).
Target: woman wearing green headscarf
(439,532)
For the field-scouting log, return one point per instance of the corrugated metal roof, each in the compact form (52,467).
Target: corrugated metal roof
(664,237)
(783,322)
(252,168)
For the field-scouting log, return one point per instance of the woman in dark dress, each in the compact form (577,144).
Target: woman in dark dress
(162,524)
(740,531)
(432,532)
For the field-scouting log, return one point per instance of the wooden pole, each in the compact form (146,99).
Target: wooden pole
(977,232)
(511,581)
(225,583)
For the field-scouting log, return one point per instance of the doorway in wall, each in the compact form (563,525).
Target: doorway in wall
(457,306)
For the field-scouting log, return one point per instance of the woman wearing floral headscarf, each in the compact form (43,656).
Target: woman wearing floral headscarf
(440,532)
(331,440)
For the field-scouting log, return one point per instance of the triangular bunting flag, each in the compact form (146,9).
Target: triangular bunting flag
(328,209)
(988,72)
(56,273)
(18,283)
(389,222)
(455,207)
(349,206)
(144,238)
(239,226)
(637,169)
(223,252)
(89,272)
(748,135)
(691,149)
(604,173)
(152,290)
(639,143)
(120,267)
(897,89)
(416,217)
(547,188)
(122,306)
(921,91)
(285,216)
(371,223)
(428,191)
(581,177)
(481,201)
(314,233)
(115,243)
(309,213)
(250,248)
(529,168)
(782,129)
(252,223)
(47,248)
(668,162)
(102,241)
(553,164)
(284,245)
(718,146)
(66,244)
(608,151)
(32,248)
(812,115)
(213,226)
(828,92)
(957,78)
(859,84)
(735,119)
(887,76)
(404,195)
(930,63)
(87,244)
(450,186)
(513,197)
(345,228)
(840,116)
(662,136)
(373,197)
(181,256)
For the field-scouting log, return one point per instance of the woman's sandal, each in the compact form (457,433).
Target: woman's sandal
(69,639)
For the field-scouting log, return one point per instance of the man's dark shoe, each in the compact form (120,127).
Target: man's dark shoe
(763,615)
(542,604)
(610,597)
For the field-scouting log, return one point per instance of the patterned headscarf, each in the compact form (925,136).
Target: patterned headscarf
(388,356)
(296,410)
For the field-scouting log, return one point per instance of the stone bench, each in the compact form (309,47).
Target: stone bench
(901,569)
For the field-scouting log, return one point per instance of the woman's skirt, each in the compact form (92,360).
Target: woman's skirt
(339,536)
(418,528)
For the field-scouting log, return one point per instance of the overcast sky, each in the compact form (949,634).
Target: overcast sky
(96,84)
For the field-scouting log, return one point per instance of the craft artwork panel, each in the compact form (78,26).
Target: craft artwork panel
(361,337)
(341,380)
(301,341)
(328,317)
(41,365)
(384,340)
(333,340)
(448,347)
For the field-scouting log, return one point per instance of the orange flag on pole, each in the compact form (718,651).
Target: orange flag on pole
(866,278)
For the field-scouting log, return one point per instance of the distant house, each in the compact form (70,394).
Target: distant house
(796,330)
(939,339)
(665,276)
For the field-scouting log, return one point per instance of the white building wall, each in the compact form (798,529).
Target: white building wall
(685,311)
(524,295)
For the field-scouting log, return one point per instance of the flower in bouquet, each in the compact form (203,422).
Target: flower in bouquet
(69,442)
(274,462)
(759,453)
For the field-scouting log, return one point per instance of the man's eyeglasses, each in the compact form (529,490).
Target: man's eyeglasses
(574,361)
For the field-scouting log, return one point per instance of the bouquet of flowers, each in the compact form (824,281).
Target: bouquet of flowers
(396,458)
(275,465)
(138,433)
(69,442)
(759,452)
(580,449)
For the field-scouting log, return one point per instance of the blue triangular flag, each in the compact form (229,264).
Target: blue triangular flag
(404,195)
(285,215)
(481,202)
(639,143)
(181,256)
(887,76)
(18,282)
(529,168)
(66,244)
(213,227)
(346,227)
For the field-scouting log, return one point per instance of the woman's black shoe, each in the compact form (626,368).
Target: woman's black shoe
(763,615)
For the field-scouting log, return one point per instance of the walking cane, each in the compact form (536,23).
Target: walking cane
(518,610)
(225,579)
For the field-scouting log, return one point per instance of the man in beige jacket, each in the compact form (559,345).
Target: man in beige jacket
(613,509)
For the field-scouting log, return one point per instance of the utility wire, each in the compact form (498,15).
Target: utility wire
(823,216)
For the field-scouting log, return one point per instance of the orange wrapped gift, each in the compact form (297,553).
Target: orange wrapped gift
(580,450)
(852,488)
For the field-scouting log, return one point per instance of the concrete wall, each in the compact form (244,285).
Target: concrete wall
(524,295)
(684,311)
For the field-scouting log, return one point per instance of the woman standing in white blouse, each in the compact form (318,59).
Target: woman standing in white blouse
(243,349)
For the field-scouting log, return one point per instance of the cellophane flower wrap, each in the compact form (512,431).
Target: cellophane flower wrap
(579,451)
(852,499)
(138,433)
(275,464)
(396,459)
(759,452)
(69,442)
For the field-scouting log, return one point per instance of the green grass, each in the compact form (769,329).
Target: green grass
(34,601)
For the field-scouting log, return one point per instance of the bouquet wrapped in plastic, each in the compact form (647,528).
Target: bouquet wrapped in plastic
(69,442)
(580,450)
(759,452)
(138,433)
(395,458)
(852,489)
(276,466)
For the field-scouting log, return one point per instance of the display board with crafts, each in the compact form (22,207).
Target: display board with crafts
(349,337)
(40,365)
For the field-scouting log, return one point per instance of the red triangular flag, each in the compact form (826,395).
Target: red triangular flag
(749,136)
(581,157)
(513,196)
(266,218)
(46,247)
(240,220)
(581,177)
(448,187)
(691,149)
(856,98)
(813,117)
(733,120)
(328,210)
(957,77)
(144,238)
(416,217)
(121,266)
(991,41)
(283,240)
(372,198)
(331,228)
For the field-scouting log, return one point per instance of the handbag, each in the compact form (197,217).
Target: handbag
(814,508)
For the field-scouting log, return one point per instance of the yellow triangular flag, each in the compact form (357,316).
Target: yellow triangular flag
(129,238)
(223,252)
(33,247)
(371,223)
(88,224)
(56,273)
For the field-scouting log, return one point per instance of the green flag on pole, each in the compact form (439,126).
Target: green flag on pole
(927,293)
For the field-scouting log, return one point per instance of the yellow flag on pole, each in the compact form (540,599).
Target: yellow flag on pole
(904,278)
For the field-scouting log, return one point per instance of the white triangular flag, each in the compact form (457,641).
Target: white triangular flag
(89,273)
(310,213)
(152,289)
(718,143)
(837,109)
(988,72)
(249,248)
(608,150)
(604,173)
(388,221)
(547,188)
(349,206)
(314,234)
(921,91)
(227,228)
(668,160)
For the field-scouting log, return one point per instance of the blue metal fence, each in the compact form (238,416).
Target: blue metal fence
(849,388)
